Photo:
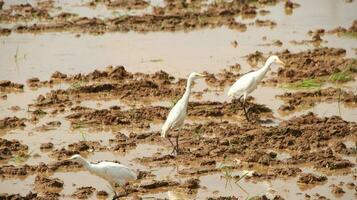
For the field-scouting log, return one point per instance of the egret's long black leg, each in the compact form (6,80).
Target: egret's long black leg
(245,111)
(173,146)
(177,144)
(239,100)
(116,196)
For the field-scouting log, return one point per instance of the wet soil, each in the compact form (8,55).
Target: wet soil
(173,16)
(115,113)
(8,148)
(312,64)
(294,101)
(8,86)
(346,32)
(136,4)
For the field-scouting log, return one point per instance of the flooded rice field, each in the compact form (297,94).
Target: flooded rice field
(99,77)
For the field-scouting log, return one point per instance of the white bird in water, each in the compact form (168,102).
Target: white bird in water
(112,172)
(249,82)
(178,113)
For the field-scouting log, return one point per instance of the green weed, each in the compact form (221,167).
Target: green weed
(342,76)
(20,158)
(349,34)
(80,126)
(304,84)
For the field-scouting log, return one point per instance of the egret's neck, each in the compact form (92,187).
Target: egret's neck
(186,95)
(85,163)
(262,71)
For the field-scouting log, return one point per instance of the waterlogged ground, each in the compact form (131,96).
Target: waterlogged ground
(98,78)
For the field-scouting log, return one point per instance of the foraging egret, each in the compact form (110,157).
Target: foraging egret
(249,82)
(114,173)
(178,113)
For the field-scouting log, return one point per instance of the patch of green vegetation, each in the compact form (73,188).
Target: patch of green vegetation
(304,84)
(76,85)
(349,34)
(22,157)
(342,76)
(80,126)
(39,112)
(198,132)
(352,67)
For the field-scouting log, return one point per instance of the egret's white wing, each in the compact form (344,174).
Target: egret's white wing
(175,117)
(114,172)
(242,85)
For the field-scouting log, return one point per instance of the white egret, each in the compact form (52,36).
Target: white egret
(178,113)
(112,172)
(249,82)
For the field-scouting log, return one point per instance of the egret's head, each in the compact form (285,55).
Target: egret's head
(275,59)
(195,75)
(76,158)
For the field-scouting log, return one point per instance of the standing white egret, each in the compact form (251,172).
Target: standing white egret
(178,113)
(249,82)
(114,173)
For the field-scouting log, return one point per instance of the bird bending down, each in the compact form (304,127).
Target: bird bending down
(114,173)
(178,113)
(249,82)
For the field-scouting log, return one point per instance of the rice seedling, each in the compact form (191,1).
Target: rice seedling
(304,84)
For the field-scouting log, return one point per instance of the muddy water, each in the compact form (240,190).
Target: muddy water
(176,53)
(23,56)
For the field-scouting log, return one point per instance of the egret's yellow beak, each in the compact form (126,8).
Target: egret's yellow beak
(202,75)
(280,62)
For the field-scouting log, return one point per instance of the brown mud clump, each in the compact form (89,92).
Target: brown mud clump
(290,6)
(175,16)
(202,144)
(5,31)
(337,191)
(141,117)
(12,123)
(275,173)
(45,183)
(305,99)
(350,32)
(311,179)
(9,171)
(223,78)
(323,63)
(129,5)
(46,146)
(111,83)
(8,87)
(23,12)
(9,148)
(254,58)
(83,192)
(29,196)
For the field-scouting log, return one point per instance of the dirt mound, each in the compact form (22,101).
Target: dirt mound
(133,4)
(83,192)
(311,179)
(8,86)
(12,122)
(45,183)
(295,101)
(312,64)
(8,148)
